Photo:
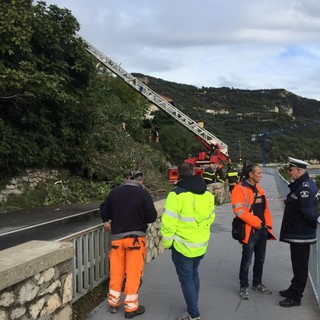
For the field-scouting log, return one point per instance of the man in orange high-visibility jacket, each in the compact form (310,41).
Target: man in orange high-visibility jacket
(126,212)
(250,204)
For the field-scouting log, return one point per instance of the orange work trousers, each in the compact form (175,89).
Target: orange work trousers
(126,261)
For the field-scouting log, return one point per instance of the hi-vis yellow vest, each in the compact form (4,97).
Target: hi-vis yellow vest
(186,222)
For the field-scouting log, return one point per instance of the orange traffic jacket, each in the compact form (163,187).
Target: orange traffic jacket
(241,199)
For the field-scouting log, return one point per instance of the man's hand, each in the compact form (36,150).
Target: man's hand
(107,226)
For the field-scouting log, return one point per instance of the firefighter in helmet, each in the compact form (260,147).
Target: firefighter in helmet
(232,176)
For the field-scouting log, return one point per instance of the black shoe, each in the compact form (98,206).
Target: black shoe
(140,310)
(289,302)
(284,293)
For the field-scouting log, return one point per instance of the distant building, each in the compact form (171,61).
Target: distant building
(152,108)
(221,111)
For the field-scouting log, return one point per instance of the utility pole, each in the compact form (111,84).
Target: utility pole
(264,145)
(264,149)
(240,156)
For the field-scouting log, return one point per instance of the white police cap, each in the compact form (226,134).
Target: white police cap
(293,162)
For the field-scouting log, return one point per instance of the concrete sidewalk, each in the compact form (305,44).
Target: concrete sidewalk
(219,290)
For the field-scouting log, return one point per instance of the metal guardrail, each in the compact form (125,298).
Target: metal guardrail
(282,183)
(314,260)
(90,261)
(314,267)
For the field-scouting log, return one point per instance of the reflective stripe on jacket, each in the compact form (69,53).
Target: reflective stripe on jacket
(209,175)
(241,199)
(233,177)
(186,222)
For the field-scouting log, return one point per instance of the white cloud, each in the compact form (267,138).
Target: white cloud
(248,44)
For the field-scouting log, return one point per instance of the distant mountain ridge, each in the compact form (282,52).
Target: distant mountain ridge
(290,123)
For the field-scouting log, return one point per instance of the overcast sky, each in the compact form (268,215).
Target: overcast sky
(245,44)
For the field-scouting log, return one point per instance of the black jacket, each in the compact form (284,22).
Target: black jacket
(130,208)
(209,175)
(232,176)
(299,222)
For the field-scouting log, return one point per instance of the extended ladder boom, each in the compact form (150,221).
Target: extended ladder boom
(156,99)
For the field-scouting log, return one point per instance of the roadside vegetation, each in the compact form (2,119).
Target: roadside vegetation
(59,109)
(82,307)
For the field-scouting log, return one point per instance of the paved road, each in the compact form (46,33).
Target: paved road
(161,293)
(49,223)
(32,224)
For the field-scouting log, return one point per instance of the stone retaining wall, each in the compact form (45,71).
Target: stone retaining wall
(36,281)
(220,191)
(31,179)
(154,245)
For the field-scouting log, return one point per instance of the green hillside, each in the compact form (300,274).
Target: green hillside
(291,124)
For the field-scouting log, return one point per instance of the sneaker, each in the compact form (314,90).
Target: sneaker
(262,289)
(244,294)
(141,309)
(186,316)
(113,309)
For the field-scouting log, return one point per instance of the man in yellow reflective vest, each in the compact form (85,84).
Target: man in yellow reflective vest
(186,220)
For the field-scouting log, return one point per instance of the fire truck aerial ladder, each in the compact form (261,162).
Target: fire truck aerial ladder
(211,142)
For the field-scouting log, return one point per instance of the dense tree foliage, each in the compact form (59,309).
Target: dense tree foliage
(57,109)
(45,71)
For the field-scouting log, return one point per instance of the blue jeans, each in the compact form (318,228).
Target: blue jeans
(257,244)
(187,270)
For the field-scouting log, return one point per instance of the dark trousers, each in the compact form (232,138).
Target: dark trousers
(300,260)
(257,245)
(187,270)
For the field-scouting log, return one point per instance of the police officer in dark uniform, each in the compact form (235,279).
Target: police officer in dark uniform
(298,228)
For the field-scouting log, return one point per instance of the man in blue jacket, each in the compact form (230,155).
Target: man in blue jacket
(298,228)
